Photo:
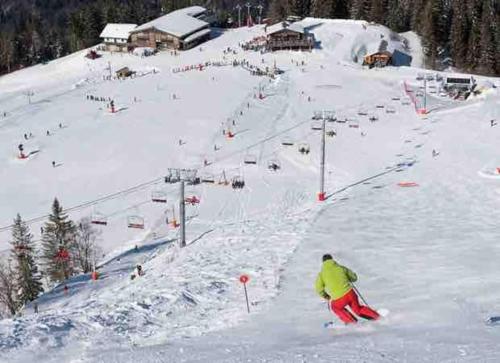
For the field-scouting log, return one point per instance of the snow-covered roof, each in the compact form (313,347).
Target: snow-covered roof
(295,27)
(117,31)
(197,35)
(179,23)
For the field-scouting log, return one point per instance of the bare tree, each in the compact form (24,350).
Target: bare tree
(86,249)
(7,289)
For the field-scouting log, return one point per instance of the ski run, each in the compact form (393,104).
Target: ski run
(412,203)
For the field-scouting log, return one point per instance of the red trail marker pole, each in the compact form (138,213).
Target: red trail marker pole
(244,279)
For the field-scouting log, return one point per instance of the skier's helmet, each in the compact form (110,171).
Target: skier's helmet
(327,257)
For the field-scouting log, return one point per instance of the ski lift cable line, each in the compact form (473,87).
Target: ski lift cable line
(92,202)
(151,182)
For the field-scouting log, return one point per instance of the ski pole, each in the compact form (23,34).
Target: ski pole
(361,296)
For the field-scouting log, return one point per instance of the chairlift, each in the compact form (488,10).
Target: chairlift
(158,196)
(331,133)
(250,159)
(362,112)
(135,222)
(173,176)
(317,125)
(380,105)
(274,165)
(99,219)
(354,123)
(395,98)
(208,178)
(287,142)
(330,116)
(237,182)
(304,148)
(223,180)
(318,115)
(193,200)
(390,109)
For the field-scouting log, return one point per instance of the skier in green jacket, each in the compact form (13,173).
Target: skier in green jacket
(334,283)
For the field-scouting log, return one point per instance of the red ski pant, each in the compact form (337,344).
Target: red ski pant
(351,299)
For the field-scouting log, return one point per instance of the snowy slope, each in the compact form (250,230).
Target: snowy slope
(427,254)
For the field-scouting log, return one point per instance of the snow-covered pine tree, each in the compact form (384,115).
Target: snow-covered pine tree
(7,289)
(27,278)
(57,243)
(85,245)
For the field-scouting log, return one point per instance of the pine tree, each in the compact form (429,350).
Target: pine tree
(301,8)
(474,46)
(322,8)
(57,244)
(7,289)
(378,11)
(360,9)
(27,278)
(458,34)
(487,57)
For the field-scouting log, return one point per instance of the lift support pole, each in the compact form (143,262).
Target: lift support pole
(321,194)
(182,212)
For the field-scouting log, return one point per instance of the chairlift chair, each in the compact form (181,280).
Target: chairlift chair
(354,123)
(274,165)
(250,159)
(237,182)
(405,101)
(331,133)
(287,142)
(135,222)
(395,98)
(390,109)
(318,115)
(304,148)
(158,196)
(330,116)
(173,176)
(362,112)
(208,178)
(99,219)
(193,200)
(380,105)
(317,125)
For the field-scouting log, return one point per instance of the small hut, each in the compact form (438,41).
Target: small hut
(124,72)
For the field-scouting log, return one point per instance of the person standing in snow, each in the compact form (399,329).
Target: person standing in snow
(334,283)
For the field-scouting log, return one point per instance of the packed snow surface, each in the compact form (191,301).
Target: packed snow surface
(428,255)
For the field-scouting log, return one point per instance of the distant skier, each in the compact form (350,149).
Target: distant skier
(53,164)
(60,125)
(35,308)
(434,153)
(334,283)
(493,123)
(25,136)
(48,133)
(138,271)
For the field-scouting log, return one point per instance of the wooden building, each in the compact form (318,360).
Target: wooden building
(180,29)
(378,59)
(116,36)
(124,72)
(386,54)
(288,36)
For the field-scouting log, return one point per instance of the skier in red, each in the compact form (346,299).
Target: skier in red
(334,283)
